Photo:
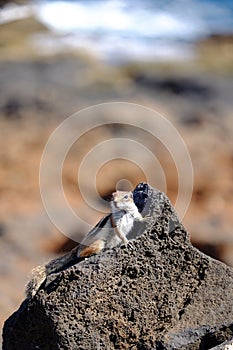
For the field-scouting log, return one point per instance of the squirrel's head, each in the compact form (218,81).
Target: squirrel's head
(122,200)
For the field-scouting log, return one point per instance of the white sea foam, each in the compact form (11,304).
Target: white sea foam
(116,30)
(117,17)
(13,12)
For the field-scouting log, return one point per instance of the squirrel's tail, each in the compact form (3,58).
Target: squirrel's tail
(38,276)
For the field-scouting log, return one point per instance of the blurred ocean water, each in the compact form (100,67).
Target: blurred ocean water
(181,19)
(122,29)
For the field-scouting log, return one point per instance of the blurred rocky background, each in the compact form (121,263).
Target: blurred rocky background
(57,58)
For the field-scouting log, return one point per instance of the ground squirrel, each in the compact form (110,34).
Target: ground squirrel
(113,231)
(110,232)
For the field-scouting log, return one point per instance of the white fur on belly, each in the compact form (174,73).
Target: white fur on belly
(125,223)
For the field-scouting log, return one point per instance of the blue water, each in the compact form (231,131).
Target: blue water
(137,28)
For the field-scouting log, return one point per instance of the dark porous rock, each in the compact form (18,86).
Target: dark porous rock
(158,293)
(176,86)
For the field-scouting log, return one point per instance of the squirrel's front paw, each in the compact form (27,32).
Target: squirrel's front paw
(147,218)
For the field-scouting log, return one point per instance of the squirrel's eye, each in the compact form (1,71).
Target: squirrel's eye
(126,196)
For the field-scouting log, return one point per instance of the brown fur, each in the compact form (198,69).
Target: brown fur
(94,248)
